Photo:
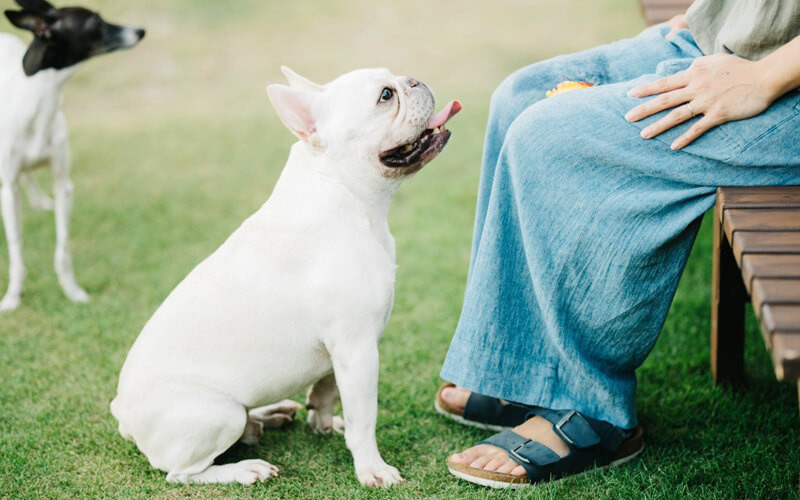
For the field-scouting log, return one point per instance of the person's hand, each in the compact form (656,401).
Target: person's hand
(721,87)
(676,24)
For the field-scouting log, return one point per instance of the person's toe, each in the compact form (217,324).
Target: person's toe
(456,396)
(507,467)
(497,461)
(468,456)
(481,461)
(459,458)
(518,471)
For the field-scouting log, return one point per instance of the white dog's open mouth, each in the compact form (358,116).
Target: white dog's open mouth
(425,148)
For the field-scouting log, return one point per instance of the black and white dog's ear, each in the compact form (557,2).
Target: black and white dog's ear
(38,57)
(30,21)
(37,6)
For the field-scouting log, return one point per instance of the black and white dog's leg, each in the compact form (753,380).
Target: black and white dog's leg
(356,369)
(10,203)
(36,196)
(62,190)
(320,402)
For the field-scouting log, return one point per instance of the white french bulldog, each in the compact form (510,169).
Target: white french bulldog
(298,295)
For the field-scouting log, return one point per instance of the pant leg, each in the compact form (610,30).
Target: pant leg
(616,62)
(587,230)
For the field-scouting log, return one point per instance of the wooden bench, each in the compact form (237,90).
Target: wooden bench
(658,11)
(756,256)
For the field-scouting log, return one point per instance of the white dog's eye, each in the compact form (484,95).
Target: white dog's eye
(386,95)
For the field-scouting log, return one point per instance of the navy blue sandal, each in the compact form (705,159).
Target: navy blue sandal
(483,412)
(592,444)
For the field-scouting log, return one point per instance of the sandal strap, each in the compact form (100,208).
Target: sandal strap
(591,443)
(580,431)
(489,410)
(523,450)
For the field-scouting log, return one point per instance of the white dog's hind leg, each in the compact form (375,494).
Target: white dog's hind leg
(268,417)
(244,472)
(36,196)
(182,428)
(320,401)
(62,189)
(11,205)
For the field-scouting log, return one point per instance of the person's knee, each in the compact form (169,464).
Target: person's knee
(540,136)
(502,106)
(517,92)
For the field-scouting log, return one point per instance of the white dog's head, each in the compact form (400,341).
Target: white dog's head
(369,121)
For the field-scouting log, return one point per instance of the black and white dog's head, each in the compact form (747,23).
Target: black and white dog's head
(67,36)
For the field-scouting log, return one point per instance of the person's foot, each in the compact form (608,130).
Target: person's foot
(476,410)
(491,458)
(456,396)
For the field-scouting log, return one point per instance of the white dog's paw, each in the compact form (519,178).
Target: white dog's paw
(382,475)
(275,415)
(320,422)
(253,471)
(338,425)
(325,424)
(9,302)
(244,472)
(76,294)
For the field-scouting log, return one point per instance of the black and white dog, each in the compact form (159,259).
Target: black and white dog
(33,131)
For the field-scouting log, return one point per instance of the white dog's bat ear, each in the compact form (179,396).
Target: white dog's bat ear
(297,110)
(300,82)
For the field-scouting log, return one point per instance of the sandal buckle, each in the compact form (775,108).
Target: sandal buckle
(517,455)
(558,427)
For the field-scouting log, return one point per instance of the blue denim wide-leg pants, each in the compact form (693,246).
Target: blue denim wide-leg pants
(583,228)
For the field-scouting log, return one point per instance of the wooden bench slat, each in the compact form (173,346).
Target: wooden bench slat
(662,13)
(786,356)
(774,291)
(785,242)
(769,266)
(778,219)
(658,11)
(780,319)
(760,197)
(671,3)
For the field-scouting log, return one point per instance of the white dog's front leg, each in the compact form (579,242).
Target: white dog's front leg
(62,189)
(12,221)
(356,369)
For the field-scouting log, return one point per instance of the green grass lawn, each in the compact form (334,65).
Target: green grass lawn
(175,143)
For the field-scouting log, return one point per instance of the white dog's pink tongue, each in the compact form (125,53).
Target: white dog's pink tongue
(442,116)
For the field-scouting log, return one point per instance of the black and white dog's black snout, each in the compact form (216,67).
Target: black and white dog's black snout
(122,37)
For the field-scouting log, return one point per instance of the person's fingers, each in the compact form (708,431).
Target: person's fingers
(701,127)
(664,101)
(673,118)
(660,86)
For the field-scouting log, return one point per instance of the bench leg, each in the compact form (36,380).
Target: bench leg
(727,311)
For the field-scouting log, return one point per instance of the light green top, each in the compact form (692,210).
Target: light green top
(748,28)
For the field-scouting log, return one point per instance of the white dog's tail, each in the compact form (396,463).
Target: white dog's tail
(115,411)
